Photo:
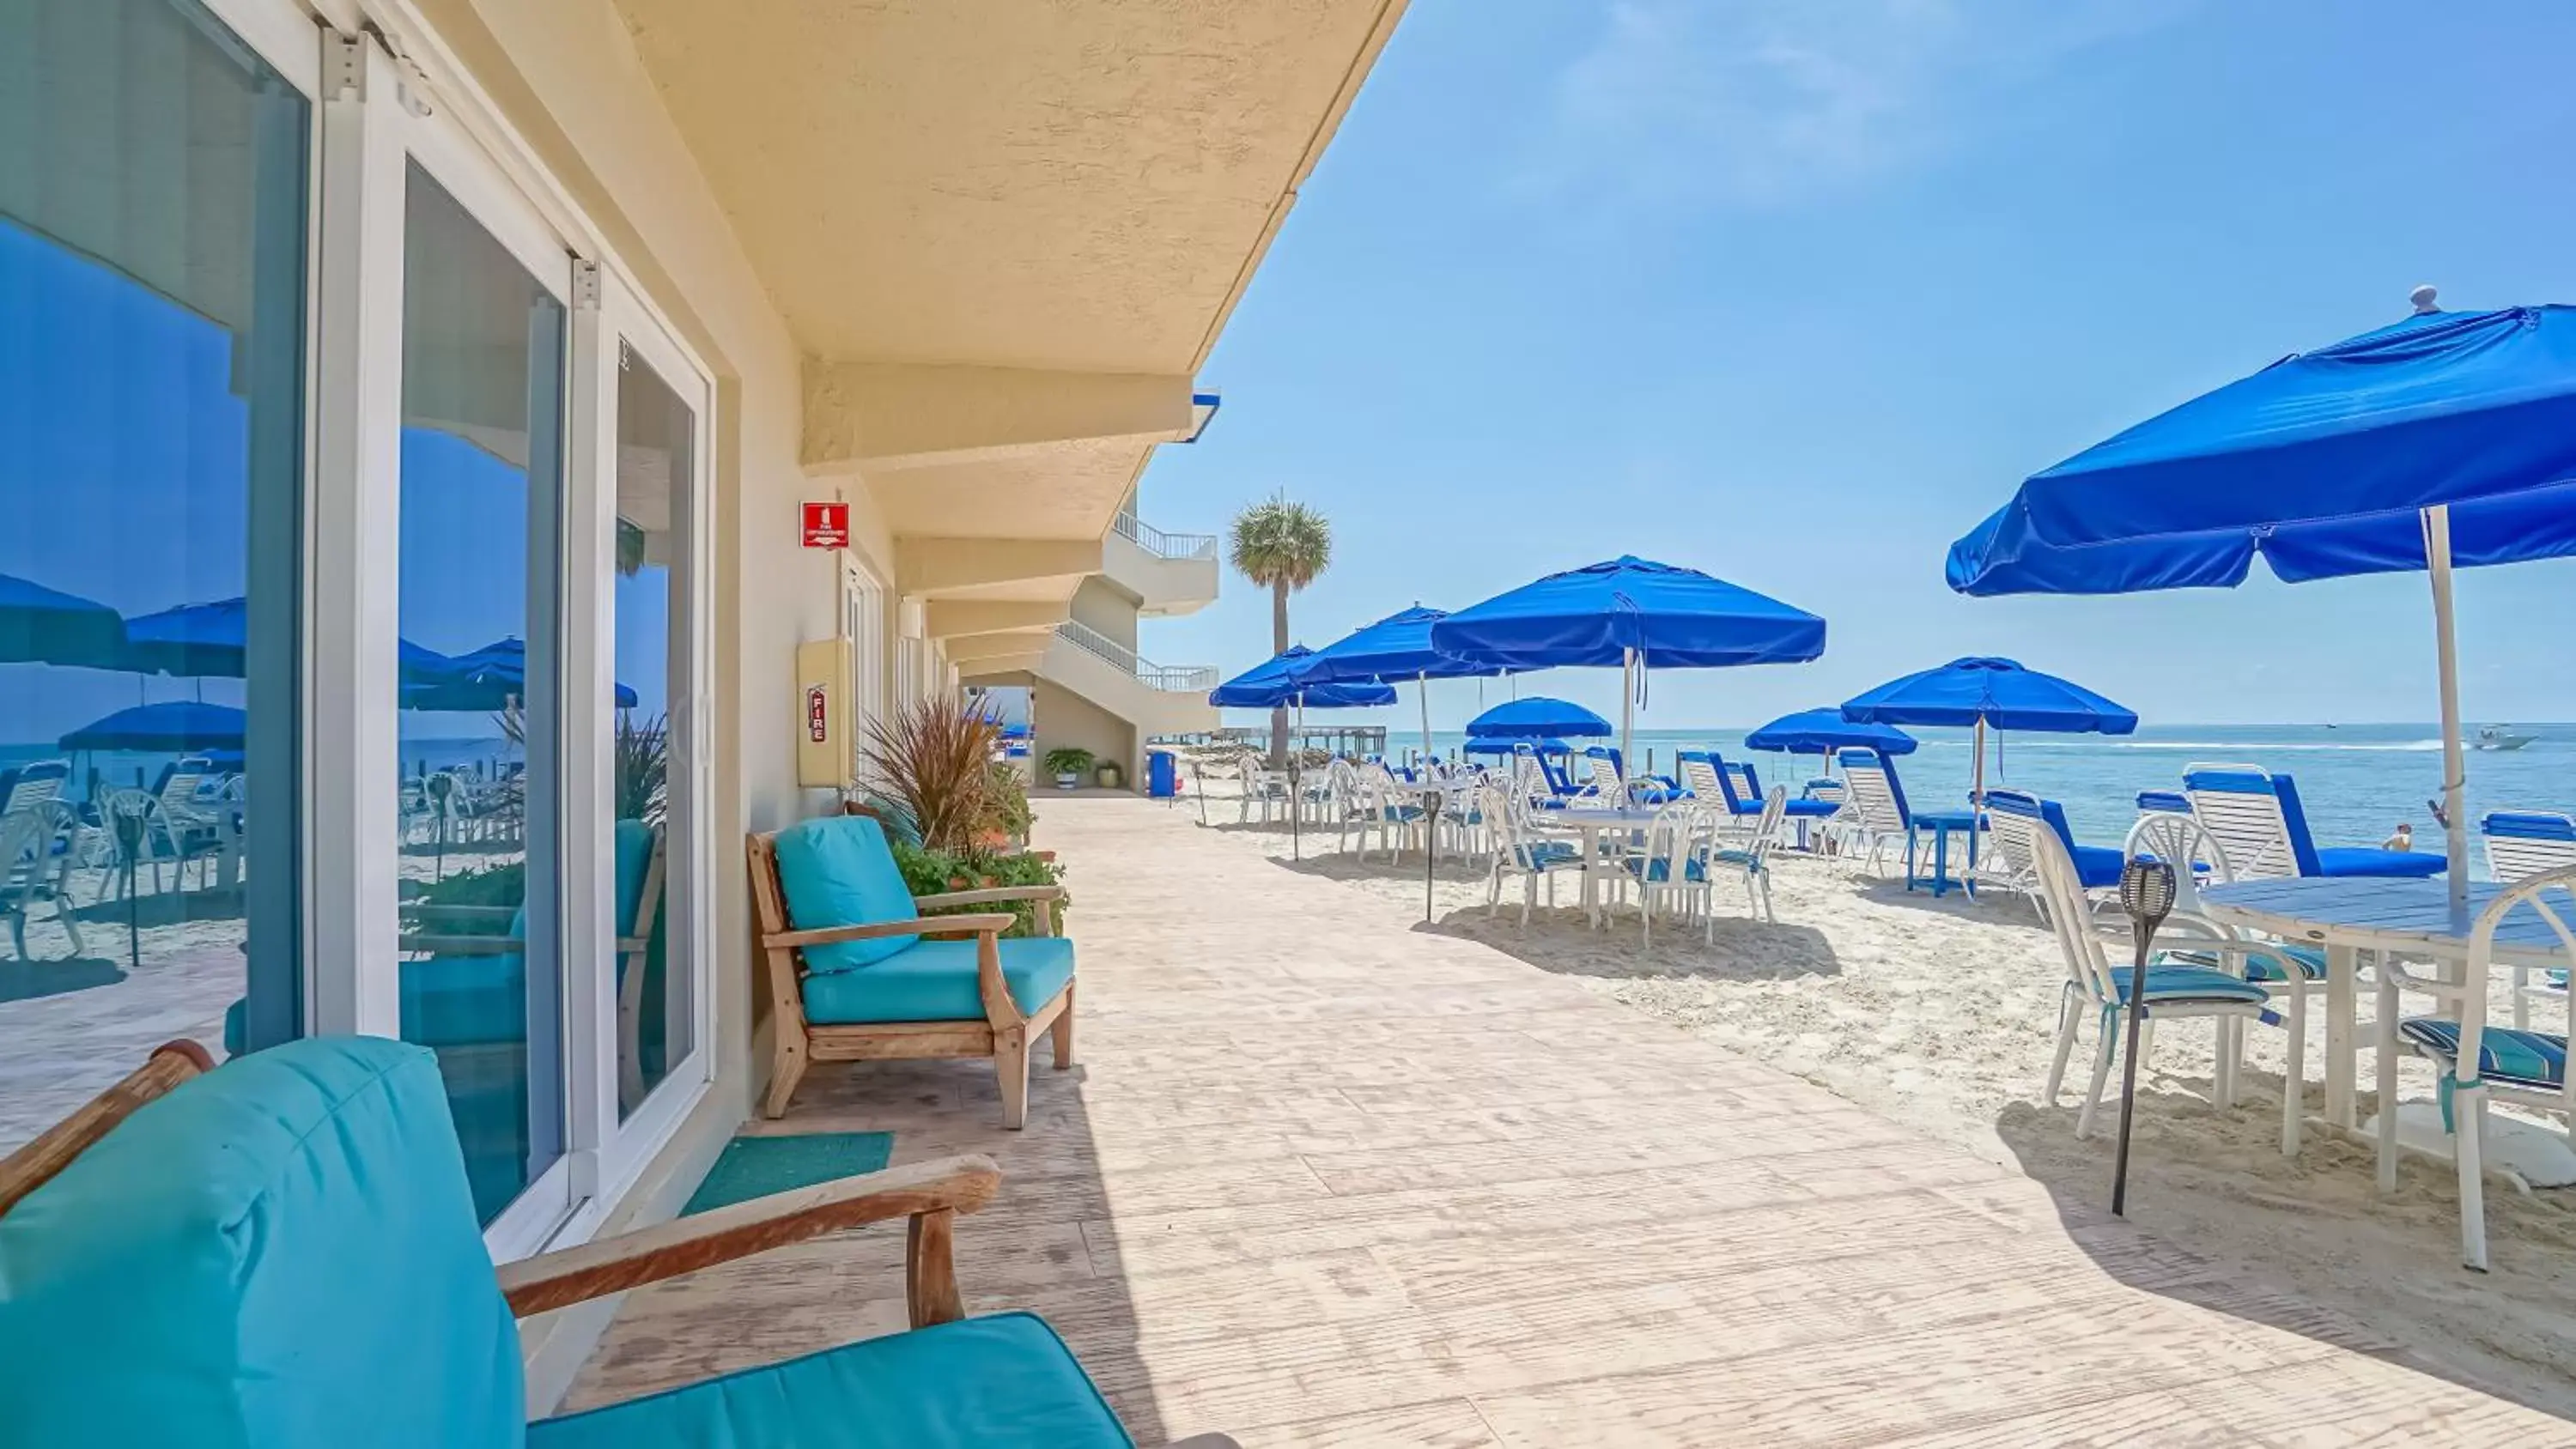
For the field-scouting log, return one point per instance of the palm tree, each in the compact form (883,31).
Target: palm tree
(1281,546)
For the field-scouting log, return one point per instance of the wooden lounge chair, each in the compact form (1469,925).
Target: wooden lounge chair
(283,1252)
(853,979)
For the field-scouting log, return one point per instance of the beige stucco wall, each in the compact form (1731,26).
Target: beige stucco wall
(1103,608)
(565,75)
(1063,718)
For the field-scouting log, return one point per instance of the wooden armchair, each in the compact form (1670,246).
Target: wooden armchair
(284,1253)
(813,1019)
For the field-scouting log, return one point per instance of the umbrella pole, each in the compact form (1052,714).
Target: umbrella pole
(1977,773)
(1422,691)
(1296,794)
(2455,827)
(1627,706)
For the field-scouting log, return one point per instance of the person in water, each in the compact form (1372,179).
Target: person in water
(2404,839)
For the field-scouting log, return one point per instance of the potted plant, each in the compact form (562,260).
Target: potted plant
(1068,763)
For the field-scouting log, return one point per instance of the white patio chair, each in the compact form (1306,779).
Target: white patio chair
(1520,849)
(1672,865)
(130,830)
(2289,973)
(36,866)
(2478,1062)
(1262,789)
(1394,812)
(1753,859)
(2097,988)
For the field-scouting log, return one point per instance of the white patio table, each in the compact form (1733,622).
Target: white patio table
(2349,915)
(1590,821)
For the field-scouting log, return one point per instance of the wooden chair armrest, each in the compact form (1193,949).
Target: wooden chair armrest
(930,1193)
(994,923)
(991,895)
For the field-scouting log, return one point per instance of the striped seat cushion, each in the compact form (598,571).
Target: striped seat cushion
(2191,983)
(1539,855)
(2271,964)
(1659,870)
(1741,859)
(2534,1057)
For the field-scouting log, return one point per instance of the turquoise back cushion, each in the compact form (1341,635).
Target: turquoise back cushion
(279,1254)
(838,871)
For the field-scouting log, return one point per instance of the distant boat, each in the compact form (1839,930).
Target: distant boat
(2494,738)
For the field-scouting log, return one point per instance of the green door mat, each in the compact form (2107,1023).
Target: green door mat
(753,1167)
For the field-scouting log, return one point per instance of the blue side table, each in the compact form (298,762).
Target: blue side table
(1942,824)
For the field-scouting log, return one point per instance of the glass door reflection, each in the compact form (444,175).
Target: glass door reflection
(481,718)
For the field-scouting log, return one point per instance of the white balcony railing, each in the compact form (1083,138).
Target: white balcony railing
(1173,678)
(1164,545)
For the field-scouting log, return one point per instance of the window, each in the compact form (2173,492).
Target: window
(153,217)
(656,461)
(481,703)
(871,664)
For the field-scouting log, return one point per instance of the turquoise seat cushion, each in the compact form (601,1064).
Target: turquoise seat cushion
(838,871)
(2359,860)
(1541,854)
(1000,1382)
(1659,870)
(2534,1058)
(935,981)
(279,1254)
(459,1000)
(2191,983)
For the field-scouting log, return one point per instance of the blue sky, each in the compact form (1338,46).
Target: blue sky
(1797,290)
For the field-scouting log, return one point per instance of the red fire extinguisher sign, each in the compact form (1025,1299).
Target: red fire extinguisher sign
(827,525)
(817,713)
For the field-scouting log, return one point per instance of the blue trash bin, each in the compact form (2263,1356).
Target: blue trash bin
(1162,775)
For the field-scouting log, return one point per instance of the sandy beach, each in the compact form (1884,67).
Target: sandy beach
(1940,1015)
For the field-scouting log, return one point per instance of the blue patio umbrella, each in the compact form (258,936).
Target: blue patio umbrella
(1536,718)
(39,625)
(490,678)
(1394,648)
(1267,686)
(1991,693)
(1635,614)
(170,728)
(2462,422)
(1823,731)
(212,641)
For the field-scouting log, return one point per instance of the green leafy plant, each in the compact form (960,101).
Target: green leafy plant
(1007,797)
(642,769)
(1282,547)
(934,759)
(1069,760)
(935,872)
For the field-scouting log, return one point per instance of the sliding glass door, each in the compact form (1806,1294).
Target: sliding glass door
(354,619)
(154,186)
(480,714)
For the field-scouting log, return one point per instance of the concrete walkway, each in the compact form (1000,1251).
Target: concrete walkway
(1325,1179)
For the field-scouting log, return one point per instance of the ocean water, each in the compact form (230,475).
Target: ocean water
(2355,781)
